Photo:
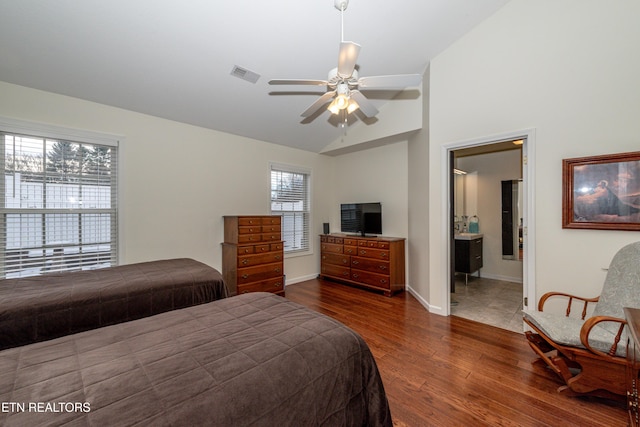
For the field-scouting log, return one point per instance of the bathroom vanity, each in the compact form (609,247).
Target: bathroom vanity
(468,254)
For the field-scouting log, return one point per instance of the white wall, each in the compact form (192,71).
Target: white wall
(419,192)
(179,180)
(569,69)
(374,175)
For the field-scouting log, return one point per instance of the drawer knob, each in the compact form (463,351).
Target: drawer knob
(383,281)
(363,252)
(245,261)
(277,270)
(382,267)
(383,254)
(355,275)
(245,276)
(277,256)
(277,285)
(244,292)
(355,262)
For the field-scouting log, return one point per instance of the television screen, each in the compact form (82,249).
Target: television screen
(361,218)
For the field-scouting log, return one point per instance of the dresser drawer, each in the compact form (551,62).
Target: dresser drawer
(335,259)
(270,237)
(370,264)
(378,280)
(250,229)
(259,248)
(331,247)
(350,241)
(271,220)
(246,249)
(351,250)
(246,221)
(249,238)
(265,247)
(256,259)
(270,285)
(259,272)
(373,253)
(271,228)
(336,271)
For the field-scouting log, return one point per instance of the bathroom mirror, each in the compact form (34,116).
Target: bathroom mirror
(512,219)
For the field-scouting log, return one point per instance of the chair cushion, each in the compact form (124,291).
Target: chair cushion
(566,331)
(621,286)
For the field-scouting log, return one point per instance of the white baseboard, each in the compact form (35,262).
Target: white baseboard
(499,277)
(295,280)
(430,308)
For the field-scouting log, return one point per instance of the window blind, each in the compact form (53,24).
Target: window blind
(290,199)
(58,207)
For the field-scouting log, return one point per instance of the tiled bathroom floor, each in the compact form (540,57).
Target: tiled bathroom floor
(493,302)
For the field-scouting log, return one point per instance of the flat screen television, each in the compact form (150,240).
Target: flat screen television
(361,218)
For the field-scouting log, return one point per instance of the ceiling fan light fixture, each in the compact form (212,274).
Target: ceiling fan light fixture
(338,104)
(333,108)
(342,101)
(353,106)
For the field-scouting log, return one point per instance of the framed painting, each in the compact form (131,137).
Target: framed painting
(602,192)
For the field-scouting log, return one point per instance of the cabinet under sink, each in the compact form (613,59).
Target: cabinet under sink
(468,254)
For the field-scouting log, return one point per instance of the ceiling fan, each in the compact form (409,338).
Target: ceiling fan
(343,83)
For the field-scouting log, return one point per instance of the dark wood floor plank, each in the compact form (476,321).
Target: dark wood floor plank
(449,371)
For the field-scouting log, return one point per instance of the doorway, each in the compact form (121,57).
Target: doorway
(503,280)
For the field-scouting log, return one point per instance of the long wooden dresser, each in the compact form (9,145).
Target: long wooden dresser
(372,262)
(253,254)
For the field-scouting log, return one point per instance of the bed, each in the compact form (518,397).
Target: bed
(43,307)
(255,359)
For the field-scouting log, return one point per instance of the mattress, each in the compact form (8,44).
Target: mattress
(256,359)
(43,307)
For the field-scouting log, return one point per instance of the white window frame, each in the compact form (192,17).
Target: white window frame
(307,233)
(51,132)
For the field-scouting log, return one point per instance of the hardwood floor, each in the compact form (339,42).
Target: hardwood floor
(450,371)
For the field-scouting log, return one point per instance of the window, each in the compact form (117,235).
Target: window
(58,205)
(290,199)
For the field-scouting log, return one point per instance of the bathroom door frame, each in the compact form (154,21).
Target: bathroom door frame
(528,219)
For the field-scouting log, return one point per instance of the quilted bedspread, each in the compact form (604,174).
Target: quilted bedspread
(255,359)
(42,307)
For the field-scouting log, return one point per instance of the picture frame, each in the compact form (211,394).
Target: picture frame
(602,192)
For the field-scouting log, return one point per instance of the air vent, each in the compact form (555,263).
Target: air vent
(244,74)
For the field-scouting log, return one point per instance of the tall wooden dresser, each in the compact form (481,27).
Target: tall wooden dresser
(371,262)
(253,254)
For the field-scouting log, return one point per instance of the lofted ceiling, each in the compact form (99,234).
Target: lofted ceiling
(174,59)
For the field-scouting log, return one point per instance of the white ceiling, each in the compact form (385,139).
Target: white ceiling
(173,58)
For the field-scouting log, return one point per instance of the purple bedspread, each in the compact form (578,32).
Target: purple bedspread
(255,359)
(43,307)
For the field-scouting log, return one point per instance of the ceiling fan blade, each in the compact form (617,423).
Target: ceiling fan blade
(347,58)
(397,81)
(318,104)
(367,108)
(298,82)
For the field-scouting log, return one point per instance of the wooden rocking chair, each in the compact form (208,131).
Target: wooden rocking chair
(590,354)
